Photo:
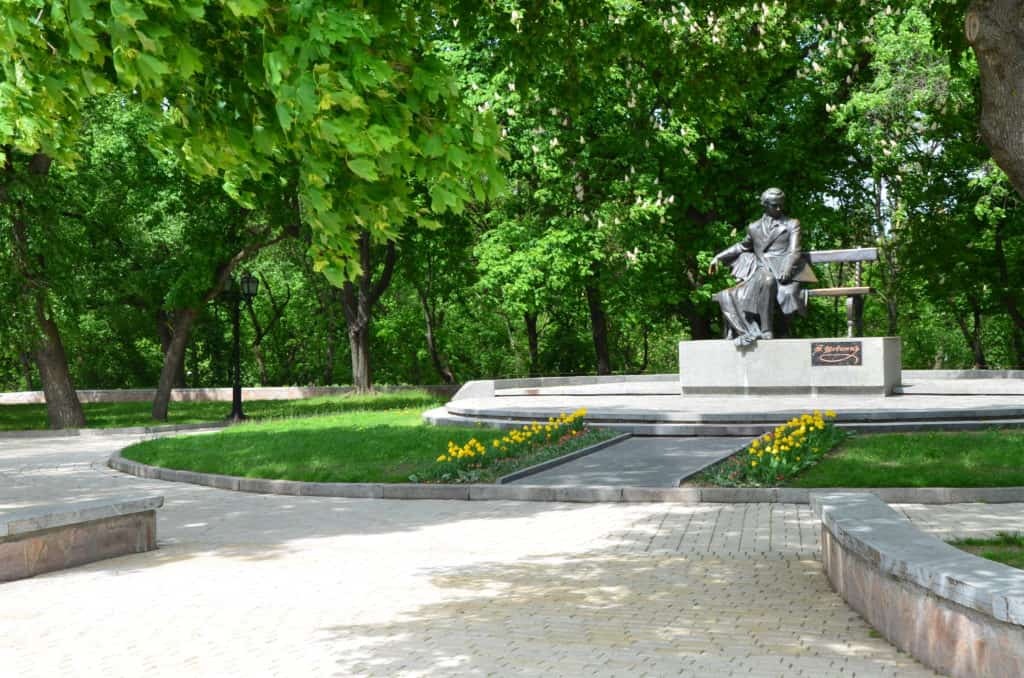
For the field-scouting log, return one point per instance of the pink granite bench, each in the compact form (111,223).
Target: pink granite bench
(47,538)
(955,612)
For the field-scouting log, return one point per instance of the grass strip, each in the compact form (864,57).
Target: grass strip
(1006,548)
(355,447)
(989,458)
(118,415)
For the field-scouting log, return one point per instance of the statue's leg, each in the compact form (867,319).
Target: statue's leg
(764,301)
(782,325)
(732,315)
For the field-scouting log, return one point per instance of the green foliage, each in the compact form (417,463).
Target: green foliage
(267,99)
(633,137)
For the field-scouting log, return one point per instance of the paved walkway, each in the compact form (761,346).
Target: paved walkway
(258,585)
(640,462)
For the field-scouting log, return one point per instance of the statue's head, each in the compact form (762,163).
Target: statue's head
(773,200)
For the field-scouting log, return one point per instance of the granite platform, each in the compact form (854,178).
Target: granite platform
(652,405)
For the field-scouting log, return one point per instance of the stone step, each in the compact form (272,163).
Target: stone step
(442,417)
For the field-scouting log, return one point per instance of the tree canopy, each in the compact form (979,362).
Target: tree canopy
(483,189)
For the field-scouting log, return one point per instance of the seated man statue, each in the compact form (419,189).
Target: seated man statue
(770,268)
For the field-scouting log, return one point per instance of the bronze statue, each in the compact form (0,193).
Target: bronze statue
(770,267)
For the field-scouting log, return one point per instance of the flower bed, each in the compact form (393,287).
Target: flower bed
(771,459)
(476,461)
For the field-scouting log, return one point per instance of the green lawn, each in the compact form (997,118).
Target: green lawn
(115,415)
(992,458)
(385,446)
(1005,548)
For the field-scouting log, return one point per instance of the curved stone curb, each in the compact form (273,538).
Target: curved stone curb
(564,459)
(101,432)
(564,493)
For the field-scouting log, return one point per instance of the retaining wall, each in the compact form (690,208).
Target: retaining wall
(130,395)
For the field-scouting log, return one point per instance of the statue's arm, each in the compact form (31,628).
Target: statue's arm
(733,251)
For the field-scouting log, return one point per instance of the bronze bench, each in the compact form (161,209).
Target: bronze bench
(854,294)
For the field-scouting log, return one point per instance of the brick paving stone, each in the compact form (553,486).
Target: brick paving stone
(263,585)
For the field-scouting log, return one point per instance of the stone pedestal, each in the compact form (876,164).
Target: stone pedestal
(791,366)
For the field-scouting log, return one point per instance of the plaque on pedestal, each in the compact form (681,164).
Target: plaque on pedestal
(791,366)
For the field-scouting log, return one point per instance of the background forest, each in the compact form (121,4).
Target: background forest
(634,141)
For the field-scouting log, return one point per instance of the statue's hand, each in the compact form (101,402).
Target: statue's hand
(713,266)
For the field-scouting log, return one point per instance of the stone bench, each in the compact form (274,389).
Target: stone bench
(855,294)
(55,537)
(955,612)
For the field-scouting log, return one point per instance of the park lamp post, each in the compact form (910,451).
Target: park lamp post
(245,289)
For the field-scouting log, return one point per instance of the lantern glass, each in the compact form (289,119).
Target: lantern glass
(250,285)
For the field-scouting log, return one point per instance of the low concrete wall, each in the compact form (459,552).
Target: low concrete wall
(957,613)
(48,538)
(131,395)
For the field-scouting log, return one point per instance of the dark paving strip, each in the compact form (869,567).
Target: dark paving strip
(640,462)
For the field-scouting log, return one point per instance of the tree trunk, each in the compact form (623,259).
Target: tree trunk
(435,356)
(599,329)
(646,356)
(63,409)
(1017,341)
(257,354)
(165,327)
(995,30)
(700,324)
(358,300)
(1006,292)
(174,360)
(972,334)
(893,314)
(359,345)
(532,339)
(980,363)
